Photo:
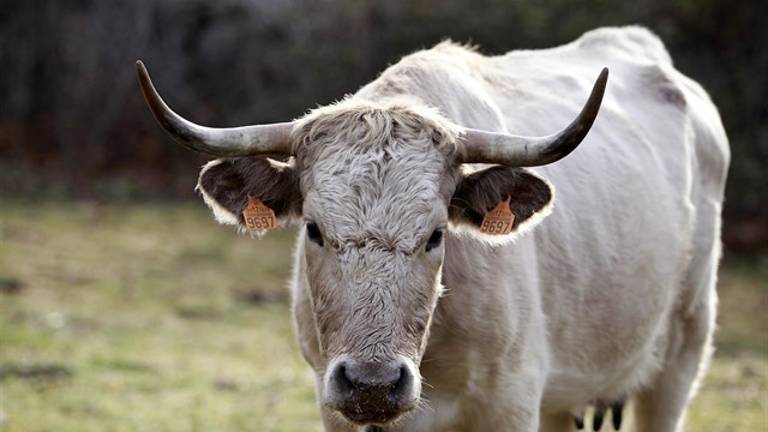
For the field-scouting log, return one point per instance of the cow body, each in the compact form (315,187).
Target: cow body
(610,297)
(399,280)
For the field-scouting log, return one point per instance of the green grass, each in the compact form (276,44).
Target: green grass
(151,317)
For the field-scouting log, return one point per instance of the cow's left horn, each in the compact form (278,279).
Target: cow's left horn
(240,141)
(506,149)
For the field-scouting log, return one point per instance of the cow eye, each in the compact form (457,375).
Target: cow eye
(434,239)
(313,232)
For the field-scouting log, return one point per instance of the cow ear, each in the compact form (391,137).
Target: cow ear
(478,194)
(227,184)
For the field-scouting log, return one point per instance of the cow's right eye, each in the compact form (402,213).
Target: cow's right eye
(313,232)
(434,239)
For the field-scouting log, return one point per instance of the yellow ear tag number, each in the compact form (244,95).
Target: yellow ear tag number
(258,217)
(500,220)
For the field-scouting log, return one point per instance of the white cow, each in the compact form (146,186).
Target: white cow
(418,312)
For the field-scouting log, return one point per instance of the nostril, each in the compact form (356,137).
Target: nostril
(343,380)
(403,382)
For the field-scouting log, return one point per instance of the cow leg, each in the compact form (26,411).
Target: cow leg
(515,408)
(560,422)
(662,406)
(515,418)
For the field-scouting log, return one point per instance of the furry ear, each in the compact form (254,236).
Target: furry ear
(225,185)
(478,193)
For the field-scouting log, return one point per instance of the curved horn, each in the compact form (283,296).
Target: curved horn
(505,149)
(240,141)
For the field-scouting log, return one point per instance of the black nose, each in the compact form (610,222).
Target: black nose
(371,392)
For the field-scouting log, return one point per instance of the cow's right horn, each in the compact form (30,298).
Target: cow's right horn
(239,141)
(514,150)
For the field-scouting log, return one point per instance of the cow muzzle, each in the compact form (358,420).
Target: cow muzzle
(372,392)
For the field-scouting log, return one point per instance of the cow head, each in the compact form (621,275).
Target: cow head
(377,187)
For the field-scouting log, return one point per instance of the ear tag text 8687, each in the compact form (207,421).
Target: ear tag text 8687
(257,216)
(500,220)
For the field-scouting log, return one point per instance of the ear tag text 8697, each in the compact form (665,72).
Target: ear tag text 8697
(500,220)
(257,216)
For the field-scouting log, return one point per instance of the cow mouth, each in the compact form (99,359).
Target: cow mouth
(373,415)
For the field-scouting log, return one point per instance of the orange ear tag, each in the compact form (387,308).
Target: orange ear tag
(500,220)
(257,216)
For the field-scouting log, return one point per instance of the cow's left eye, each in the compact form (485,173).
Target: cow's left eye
(314,234)
(434,239)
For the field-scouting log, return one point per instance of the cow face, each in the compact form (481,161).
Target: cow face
(376,190)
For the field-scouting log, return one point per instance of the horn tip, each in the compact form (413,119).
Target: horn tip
(603,74)
(144,79)
(601,83)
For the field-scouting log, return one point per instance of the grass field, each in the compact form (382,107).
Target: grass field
(153,318)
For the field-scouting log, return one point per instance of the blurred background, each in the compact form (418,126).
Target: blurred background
(123,305)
